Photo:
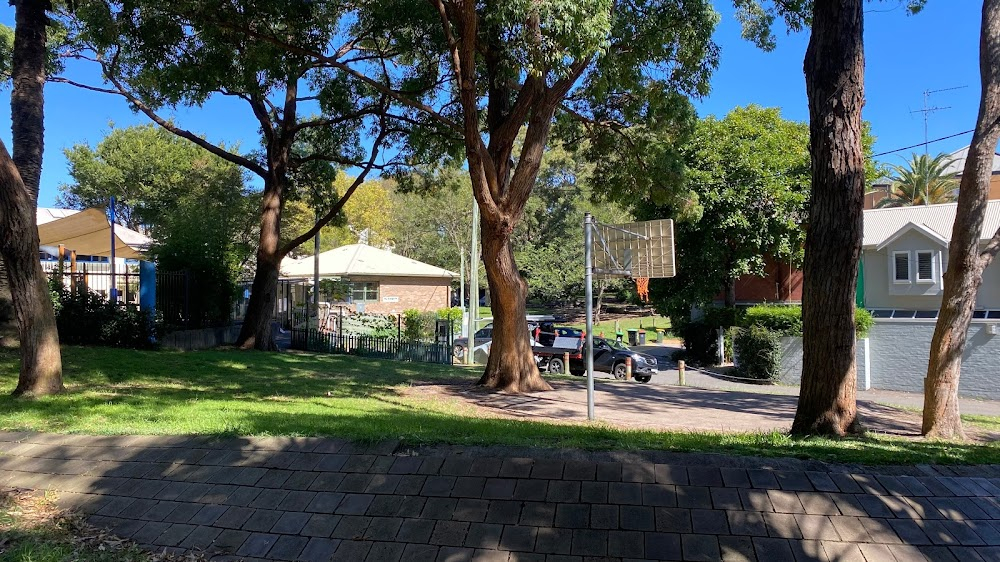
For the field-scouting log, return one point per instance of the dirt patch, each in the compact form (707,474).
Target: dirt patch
(665,408)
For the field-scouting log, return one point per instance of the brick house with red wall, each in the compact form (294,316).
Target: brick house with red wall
(781,283)
(379,281)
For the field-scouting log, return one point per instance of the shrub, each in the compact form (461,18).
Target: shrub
(418,325)
(782,320)
(863,321)
(759,353)
(454,314)
(87,318)
(701,345)
(787,320)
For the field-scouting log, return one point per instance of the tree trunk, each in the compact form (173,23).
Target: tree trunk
(834,71)
(41,364)
(27,99)
(256,330)
(730,299)
(602,286)
(511,365)
(966,261)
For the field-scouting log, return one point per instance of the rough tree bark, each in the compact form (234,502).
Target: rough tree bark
(966,259)
(256,333)
(501,187)
(41,362)
(834,72)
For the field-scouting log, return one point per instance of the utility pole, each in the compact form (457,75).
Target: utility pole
(315,279)
(473,284)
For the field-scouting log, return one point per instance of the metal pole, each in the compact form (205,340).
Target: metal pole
(589,283)
(473,284)
(113,291)
(315,279)
(461,284)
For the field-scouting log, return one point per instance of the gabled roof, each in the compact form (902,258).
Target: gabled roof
(936,221)
(359,260)
(88,232)
(958,164)
(919,228)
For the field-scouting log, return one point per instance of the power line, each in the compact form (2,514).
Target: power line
(922,143)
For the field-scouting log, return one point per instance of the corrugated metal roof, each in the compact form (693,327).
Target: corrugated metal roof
(958,165)
(881,224)
(362,260)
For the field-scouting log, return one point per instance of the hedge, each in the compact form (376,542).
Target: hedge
(787,320)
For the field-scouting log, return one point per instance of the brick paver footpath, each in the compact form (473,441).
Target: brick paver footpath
(327,499)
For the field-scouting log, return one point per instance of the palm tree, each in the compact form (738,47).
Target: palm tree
(921,181)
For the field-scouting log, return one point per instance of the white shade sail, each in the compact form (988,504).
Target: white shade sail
(88,232)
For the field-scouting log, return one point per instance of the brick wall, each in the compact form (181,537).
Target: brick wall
(780,283)
(900,351)
(397,294)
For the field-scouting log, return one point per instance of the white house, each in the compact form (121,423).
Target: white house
(904,255)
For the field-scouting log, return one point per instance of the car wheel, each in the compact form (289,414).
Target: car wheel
(619,371)
(556,366)
(644,378)
(459,351)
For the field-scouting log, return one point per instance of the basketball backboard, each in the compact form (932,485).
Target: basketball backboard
(635,249)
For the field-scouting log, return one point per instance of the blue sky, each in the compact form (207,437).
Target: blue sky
(906,55)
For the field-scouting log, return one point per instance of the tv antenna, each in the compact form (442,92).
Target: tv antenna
(926,111)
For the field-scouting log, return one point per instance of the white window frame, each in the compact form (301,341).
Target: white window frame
(909,268)
(934,267)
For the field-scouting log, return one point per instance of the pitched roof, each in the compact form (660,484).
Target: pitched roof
(882,224)
(362,260)
(958,162)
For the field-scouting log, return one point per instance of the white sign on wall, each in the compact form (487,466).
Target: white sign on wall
(390,299)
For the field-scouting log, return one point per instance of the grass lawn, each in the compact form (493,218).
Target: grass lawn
(228,392)
(648,323)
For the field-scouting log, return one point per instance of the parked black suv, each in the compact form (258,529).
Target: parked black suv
(610,356)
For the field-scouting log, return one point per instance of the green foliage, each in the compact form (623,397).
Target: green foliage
(418,325)
(454,315)
(193,204)
(787,320)
(432,217)
(749,178)
(759,353)
(148,170)
(84,317)
(782,320)
(701,337)
(863,322)
(56,39)
(921,181)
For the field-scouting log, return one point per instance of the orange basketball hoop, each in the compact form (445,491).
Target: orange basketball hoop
(642,287)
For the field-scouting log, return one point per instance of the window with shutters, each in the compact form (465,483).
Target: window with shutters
(901,267)
(925,266)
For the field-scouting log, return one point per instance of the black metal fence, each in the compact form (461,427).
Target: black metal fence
(374,347)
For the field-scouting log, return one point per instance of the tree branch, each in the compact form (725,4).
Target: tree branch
(298,240)
(183,133)
(333,62)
